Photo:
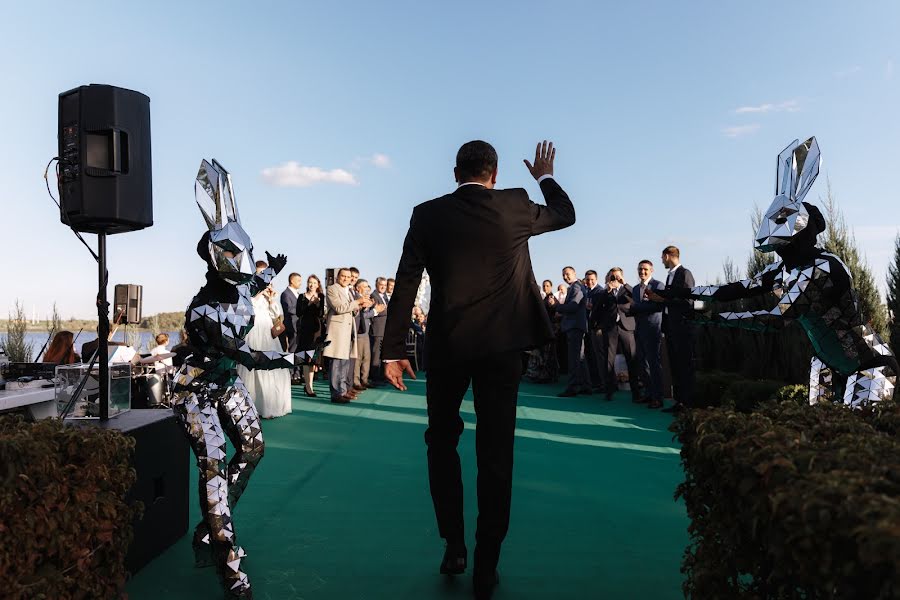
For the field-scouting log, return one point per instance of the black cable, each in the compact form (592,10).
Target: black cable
(47,181)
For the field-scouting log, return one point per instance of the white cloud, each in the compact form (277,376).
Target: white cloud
(848,72)
(786,106)
(889,69)
(382,161)
(293,174)
(737,131)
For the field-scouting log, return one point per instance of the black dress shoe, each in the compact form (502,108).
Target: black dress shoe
(655,404)
(483,585)
(567,394)
(454,561)
(311,394)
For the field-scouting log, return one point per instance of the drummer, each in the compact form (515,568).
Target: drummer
(164,365)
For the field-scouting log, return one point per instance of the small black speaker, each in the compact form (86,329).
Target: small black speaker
(127,303)
(104,159)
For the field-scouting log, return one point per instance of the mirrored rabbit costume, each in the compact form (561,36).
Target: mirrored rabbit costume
(814,288)
(209,398)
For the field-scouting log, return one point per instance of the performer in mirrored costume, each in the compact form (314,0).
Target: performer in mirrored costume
(814,288)
(209,398)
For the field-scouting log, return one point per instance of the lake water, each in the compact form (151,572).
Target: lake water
(145,339)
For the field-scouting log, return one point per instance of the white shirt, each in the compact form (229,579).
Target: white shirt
(295,291)
(669,281)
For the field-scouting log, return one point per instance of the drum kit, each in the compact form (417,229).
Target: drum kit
(151,382)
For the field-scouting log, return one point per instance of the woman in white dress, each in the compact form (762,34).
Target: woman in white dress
(270,390)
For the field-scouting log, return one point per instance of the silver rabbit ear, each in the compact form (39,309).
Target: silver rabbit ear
(215,195)
(228,200)
(798,167)
(807,160)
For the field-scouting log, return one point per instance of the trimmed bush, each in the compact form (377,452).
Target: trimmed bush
(64,521)
(718,388)
(792,502)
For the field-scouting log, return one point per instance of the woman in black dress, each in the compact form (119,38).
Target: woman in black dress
(309,332)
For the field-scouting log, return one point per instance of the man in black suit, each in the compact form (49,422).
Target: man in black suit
(611,315)
(378,323)
(475,334)
(677,326)
(289,307)
(594,362)
(648,334)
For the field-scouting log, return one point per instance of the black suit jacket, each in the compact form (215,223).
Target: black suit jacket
(380,320)
(484,298)
(678,312)
(291,319)
(607,306)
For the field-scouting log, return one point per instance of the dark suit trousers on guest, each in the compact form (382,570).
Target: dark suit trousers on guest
(495,386)
(621,340)
(649,359)
(579,376)
(598,345)
(680,345)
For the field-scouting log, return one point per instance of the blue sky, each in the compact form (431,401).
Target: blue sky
(667,118)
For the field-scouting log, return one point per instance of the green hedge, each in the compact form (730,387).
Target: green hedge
(792,501)
(64,523)
(719,388)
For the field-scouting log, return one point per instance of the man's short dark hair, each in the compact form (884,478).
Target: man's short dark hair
(646,262)
(354,270)
(590,272)
(475,160)
(390,279)
(567,268)
(292,275)
(547,281)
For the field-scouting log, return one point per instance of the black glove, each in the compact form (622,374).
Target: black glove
(276,262)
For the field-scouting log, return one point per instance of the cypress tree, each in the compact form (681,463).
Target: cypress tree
(893,297)
(840,241)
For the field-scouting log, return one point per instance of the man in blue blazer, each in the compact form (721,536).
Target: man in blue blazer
(574,325)
(648,334)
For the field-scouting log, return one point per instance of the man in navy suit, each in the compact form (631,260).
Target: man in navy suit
(289,307)
(611,314)
(594,351)
(648,334)
(574,324)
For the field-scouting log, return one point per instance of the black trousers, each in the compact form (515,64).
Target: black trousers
(495,385)
(680,346)
(620,340)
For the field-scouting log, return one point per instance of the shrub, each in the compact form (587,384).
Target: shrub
(64,521)
(792,502)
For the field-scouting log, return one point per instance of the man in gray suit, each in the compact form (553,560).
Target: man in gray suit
(289,307)
(648,334)
(574,325)
(377,332)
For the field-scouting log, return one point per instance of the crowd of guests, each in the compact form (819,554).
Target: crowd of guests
(594,322)
(341,329)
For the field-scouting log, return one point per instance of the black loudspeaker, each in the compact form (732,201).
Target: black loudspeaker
(104,159)
(162,461)
(127,303)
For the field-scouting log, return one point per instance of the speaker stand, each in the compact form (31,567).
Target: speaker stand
(103,327)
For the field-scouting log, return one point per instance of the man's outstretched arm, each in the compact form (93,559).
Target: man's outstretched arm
(408,278)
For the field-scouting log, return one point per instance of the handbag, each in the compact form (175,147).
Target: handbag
(278,327)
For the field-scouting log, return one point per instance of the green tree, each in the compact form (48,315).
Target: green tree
(14,343)
(54,321)
(758,260)
(893,297)
(840,241)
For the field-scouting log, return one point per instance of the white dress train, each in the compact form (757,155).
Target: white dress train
(270,390)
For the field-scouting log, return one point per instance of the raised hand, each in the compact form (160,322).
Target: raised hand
(276,262)
(544,155)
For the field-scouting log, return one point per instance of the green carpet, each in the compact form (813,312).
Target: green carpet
(339,507)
